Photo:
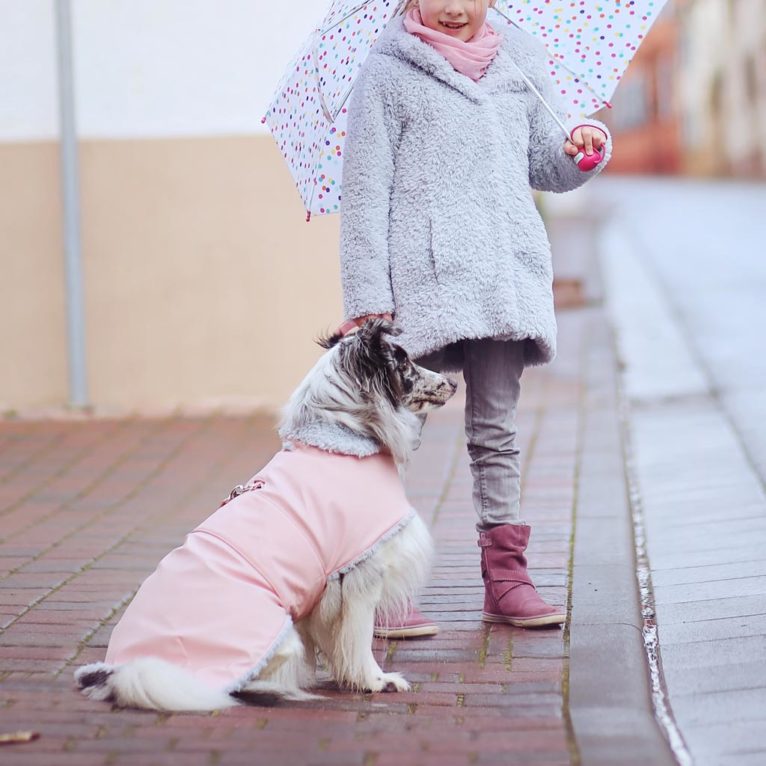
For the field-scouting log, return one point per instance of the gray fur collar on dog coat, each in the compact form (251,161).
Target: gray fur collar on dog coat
(438,222)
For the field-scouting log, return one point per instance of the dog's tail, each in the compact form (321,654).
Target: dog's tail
(150,683)
(270,694)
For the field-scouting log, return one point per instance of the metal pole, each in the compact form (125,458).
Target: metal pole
(78,382)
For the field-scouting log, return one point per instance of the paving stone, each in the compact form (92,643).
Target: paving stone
(710,653)
(735,740)
(710,630)
(629,733)
(608,681)
(715,677)
(708,574)
(742,706)
(716,589)
(711,609)
(680,558)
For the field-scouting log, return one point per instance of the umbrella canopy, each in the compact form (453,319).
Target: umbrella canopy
(589,42)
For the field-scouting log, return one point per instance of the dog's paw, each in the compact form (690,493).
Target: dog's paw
(389,682)
(395,682)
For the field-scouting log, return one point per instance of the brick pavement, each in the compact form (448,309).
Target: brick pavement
(88,508)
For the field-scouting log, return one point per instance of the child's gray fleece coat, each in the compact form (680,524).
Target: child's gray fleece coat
(438,223)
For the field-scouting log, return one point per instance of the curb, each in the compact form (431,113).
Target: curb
(609,693)
(609,697)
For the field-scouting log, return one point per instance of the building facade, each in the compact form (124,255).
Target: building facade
(203,285)
(740,90)
(694,98)
(645,117)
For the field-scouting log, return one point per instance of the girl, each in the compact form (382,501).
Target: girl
(439,230)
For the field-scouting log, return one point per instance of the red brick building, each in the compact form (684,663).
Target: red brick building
(645,117)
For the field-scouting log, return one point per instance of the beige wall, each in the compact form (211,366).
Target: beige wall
(32,310)
(204,285)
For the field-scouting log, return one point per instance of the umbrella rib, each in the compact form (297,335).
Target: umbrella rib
(322,101)
(539,95)
(313,190)
(324,30)
(332,116)
(508,19)
(352,12)
(579,77)
(330,119)
(343,101)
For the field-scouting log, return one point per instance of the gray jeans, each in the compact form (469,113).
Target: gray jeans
(492,371)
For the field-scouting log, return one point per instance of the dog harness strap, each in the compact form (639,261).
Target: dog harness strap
(240,489)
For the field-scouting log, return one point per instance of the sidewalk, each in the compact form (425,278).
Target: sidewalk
(88,508)
(686,296)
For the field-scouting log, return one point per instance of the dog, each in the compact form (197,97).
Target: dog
(295,563)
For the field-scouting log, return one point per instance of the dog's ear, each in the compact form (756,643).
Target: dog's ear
(372,330)
(328,341)
(372,362)
(373,343)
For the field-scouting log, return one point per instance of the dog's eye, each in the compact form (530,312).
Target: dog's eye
(400,355)
(406,374)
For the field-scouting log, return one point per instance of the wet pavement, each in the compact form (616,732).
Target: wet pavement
(685,277)
(643,483)
(88,508)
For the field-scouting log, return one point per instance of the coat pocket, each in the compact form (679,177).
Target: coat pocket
(451,252)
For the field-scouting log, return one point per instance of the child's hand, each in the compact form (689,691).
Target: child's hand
(352,324)
(585,138)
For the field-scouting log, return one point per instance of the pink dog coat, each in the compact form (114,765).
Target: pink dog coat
(219,605)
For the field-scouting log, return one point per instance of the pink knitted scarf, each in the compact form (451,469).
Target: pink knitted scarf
(470,58)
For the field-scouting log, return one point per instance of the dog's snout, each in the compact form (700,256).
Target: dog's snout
(448,384)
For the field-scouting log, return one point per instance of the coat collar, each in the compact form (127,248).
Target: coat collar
(396,41)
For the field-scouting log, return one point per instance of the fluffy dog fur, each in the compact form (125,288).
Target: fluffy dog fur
(361,397)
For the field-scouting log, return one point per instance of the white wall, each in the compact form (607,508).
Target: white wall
(28,107)
(149,68)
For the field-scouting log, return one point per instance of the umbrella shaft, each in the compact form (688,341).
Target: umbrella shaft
(543,101)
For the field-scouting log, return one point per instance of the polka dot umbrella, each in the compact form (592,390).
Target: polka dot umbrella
(590,44)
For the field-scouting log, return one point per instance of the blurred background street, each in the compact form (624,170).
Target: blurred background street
(132,400)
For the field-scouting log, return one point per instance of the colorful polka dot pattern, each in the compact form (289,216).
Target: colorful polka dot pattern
(308,114)
(590,43)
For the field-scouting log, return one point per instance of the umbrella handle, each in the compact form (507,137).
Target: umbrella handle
(583,161)
(587,162)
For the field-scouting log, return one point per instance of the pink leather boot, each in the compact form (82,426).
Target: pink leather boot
(413,625)
(509,595)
